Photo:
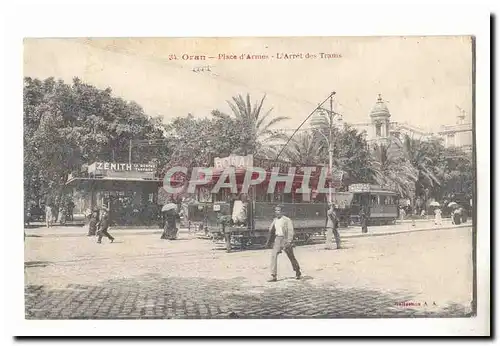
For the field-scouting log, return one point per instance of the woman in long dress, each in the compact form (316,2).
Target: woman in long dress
(437,219)
(456,217)
(48,215)
(169,222)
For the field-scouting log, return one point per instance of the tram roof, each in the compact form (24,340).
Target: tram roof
(378,192)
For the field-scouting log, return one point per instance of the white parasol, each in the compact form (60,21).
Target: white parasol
(169,206)
(434,204)
(452,204)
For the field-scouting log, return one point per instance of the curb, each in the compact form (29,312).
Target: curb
(84,235)
(401,231)
(158,232)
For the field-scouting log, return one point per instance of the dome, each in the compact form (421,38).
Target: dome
(380,109)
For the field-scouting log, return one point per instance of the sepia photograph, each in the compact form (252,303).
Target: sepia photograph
(250,178)
(267,182)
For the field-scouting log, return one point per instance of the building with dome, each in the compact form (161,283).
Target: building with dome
(380,127)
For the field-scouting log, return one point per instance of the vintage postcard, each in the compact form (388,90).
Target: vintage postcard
(249,178)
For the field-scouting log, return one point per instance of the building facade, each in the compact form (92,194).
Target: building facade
(380,129)
(458,135)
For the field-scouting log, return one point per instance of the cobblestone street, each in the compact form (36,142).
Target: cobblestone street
(141,276)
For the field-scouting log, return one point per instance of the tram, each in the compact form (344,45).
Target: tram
(382,204)
(244,218)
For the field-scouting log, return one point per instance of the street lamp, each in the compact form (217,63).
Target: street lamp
(320,122)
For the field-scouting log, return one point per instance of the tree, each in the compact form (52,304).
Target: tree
(350,149)
(195,142)
(424,157)
(392,170)
(68,125)
(257,135)
(303,150)
(457,174)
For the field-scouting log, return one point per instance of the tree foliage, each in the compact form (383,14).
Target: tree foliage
(256,126)
(68,125)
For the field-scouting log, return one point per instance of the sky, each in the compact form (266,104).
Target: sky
(424,80)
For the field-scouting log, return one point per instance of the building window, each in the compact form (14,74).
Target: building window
(378,130)
(451,140)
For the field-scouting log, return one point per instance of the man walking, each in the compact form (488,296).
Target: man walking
(281,230)
(103,226)
(332,225)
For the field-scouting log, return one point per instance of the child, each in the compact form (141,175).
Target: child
(438,220)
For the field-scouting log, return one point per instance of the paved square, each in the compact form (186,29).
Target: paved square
(140,276)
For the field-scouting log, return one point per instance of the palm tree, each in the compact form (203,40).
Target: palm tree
(423,157)
(390,168)
(303,150)
(257,134)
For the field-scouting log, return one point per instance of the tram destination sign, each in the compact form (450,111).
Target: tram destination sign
(234,161)
(363,187)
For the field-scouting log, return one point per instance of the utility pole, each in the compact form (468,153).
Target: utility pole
(303,122)
(330,150)
(130,152)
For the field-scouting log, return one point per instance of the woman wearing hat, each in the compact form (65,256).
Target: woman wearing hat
(93,221)
(170,215)
(456,218)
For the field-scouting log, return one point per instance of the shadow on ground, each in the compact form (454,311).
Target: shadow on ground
(155,297)
(32,264)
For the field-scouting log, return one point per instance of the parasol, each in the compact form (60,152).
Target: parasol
(452,204)
(169,207)
(434,204)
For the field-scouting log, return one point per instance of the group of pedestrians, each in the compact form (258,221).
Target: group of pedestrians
(65,212)
(281,234)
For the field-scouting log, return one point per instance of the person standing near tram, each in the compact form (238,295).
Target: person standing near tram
(332,225)
(363,217)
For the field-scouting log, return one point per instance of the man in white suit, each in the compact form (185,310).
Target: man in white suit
(281,230)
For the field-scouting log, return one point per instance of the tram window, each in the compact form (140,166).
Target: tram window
(306,197)
(382,199)
(373,200)
(389,200)
(287,198)
(356,198)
